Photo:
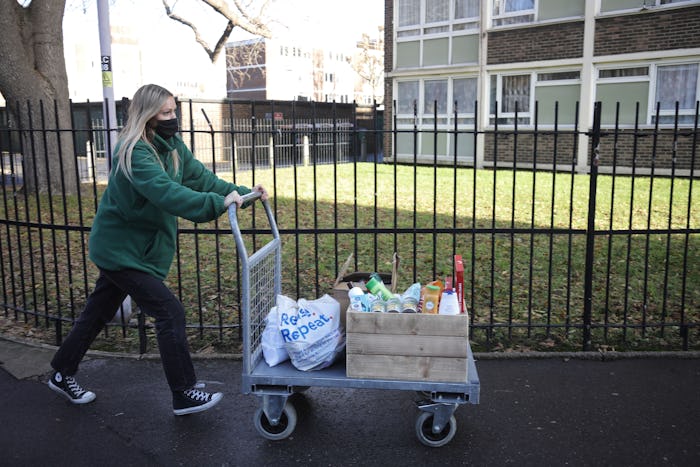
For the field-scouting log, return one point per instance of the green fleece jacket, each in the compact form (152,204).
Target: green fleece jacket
(136,222)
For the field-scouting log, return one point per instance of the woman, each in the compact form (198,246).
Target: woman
(154,180)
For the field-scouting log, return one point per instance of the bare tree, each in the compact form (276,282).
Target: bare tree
(240,15)
(368,62)
(242,62)
(245,62)
(34,82)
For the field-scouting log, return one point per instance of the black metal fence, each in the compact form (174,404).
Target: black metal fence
(555,257)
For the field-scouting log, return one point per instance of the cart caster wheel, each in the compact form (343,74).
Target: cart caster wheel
(424,431)
(284,428)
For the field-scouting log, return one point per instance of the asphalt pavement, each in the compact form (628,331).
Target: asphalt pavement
(562,410)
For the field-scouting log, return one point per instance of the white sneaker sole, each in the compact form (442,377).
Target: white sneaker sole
(216,397)
(88,396)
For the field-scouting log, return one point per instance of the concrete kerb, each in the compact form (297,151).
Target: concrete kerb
(512,355)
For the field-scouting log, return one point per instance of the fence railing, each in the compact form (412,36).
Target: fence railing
(554,259)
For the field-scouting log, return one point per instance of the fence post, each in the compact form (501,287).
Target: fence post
(271,150)
(590,230)
(305,150)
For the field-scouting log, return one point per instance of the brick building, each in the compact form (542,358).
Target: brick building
(538,65)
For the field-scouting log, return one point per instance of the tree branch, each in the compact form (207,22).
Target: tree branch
(241,19)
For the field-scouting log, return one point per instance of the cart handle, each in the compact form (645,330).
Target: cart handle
(253,195)
(235,228)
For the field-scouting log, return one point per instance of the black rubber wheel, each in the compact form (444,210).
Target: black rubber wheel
(424,431)
(285,427)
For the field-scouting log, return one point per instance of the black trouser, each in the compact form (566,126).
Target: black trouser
(154,299)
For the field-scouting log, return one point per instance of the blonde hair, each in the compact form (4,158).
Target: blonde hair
(145,105)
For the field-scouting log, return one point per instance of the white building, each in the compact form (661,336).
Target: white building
(277,69)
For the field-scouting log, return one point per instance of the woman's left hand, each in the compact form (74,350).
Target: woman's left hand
(262,190)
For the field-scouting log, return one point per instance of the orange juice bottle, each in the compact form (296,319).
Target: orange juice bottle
(431,299)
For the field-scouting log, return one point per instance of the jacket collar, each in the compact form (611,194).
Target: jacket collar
(163,145)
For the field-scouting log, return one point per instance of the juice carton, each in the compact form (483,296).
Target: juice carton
(459,282)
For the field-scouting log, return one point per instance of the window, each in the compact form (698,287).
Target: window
(624,72)
(513,12)
(464,95)
(466,9)
(442,95)
(555,93)
(510,93)
(435,99)
(437,11)
(426,17)
(409,15)
(443,103)
(635,5)
(558,76)
(676,84)
(635,92)
(407,96)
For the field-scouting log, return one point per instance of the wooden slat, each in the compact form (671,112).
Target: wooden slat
(401,368)
(409,345)
(408,323)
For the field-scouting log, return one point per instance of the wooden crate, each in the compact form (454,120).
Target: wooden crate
(407,346)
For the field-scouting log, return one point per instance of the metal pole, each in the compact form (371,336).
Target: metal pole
(590,231)
(109,111)
(108,106)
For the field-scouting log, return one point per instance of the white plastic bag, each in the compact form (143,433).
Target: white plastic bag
(311,330)
(273,347)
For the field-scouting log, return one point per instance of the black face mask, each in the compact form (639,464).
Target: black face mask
(167,128)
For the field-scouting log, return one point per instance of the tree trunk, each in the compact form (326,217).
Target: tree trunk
(34,82)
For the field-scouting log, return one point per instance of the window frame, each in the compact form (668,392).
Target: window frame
(508,118)
(425,122)
(423,29)
(645,5)
(499,13)
(525,118)
(424,118)
(670,113)
(651,78)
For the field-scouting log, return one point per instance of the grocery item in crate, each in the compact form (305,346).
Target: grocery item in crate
(393,305)
(355,296)
(448,303)
(311,329)
(459,283)
(410,299)
(272,343)
(376,286)
(431,299)
(378,305)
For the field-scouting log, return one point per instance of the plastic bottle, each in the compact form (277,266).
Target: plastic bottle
(355,295)
(409,305)
(393,305)
(413,291)
(431,299)
(378,305)
(377,287)
(448,303)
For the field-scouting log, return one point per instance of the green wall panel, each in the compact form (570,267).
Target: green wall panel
(627,94)
(465,49)
(435,52)
(613,5)
(407,54)
(552,9)
(547,96)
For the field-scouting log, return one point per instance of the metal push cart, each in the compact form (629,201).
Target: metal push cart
(276,418)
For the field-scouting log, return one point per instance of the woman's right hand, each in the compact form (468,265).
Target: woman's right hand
(233,197)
